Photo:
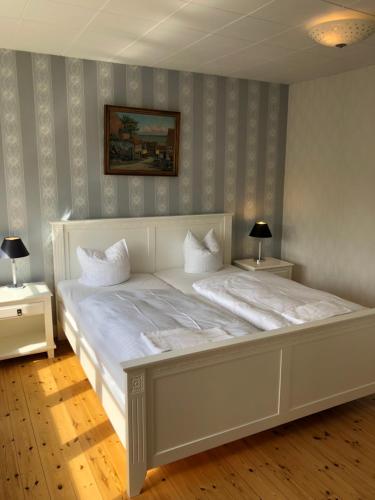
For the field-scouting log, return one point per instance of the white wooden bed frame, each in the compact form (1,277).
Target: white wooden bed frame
(182,403)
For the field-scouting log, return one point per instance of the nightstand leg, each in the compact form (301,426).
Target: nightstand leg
(48,325)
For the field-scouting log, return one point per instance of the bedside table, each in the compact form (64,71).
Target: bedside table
(26,321)
(275,266)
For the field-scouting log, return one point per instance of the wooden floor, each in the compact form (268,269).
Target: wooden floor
(56,442)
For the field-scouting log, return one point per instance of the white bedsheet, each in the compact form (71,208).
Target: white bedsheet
(113,322)
(177,277)
(269,301)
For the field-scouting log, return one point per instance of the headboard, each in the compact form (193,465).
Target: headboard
(154,243)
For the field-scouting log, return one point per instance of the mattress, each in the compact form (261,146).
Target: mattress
(177,277)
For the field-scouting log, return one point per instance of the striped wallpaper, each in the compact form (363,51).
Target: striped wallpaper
(232,146)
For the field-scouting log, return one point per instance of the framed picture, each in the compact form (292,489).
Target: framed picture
(141,141)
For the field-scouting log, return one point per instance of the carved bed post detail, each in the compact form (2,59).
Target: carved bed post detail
(136,431)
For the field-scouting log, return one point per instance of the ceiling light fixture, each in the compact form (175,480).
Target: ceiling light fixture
(342,32)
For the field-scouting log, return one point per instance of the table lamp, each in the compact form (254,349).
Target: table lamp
(260,230)
(13,248)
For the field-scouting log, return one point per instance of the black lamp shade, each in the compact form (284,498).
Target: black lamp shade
(14,248)
(261,230)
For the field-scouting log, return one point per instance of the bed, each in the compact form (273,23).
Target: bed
(269,378)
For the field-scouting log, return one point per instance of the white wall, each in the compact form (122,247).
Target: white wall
(329,195)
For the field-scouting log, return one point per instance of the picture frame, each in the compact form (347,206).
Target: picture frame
(141,141)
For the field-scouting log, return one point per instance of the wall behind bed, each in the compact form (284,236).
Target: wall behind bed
(51,150)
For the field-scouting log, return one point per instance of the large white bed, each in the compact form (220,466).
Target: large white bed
(229,389)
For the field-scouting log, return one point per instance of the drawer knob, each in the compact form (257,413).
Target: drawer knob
(19,312)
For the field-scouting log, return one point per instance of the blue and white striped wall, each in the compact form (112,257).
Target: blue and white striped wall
(232,148)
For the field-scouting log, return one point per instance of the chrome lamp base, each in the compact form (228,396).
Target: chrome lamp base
(259,259)
(14,277)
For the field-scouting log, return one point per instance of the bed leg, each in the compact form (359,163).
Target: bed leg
(136,479)
(136,432)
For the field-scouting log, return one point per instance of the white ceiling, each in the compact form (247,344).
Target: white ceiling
(256,39)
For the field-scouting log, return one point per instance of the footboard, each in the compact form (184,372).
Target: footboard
(181,404)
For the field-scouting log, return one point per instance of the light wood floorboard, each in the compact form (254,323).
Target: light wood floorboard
(56,442)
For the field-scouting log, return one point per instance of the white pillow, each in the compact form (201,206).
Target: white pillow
(104,268)
(202,256)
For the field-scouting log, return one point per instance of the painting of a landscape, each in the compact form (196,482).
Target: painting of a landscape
(141,141)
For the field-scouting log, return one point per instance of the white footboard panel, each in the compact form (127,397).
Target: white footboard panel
(182,404)
(212,402)
(328,371)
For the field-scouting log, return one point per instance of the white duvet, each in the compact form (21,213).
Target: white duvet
(113,322)
(269,301)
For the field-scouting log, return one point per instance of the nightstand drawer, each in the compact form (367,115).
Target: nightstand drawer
(284,273)
(21,310)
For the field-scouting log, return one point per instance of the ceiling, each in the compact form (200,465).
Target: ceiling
(255,39)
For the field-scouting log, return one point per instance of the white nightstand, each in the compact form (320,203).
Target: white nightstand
(26,321)
(275,266)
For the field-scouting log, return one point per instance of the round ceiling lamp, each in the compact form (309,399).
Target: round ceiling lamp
(342,32)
